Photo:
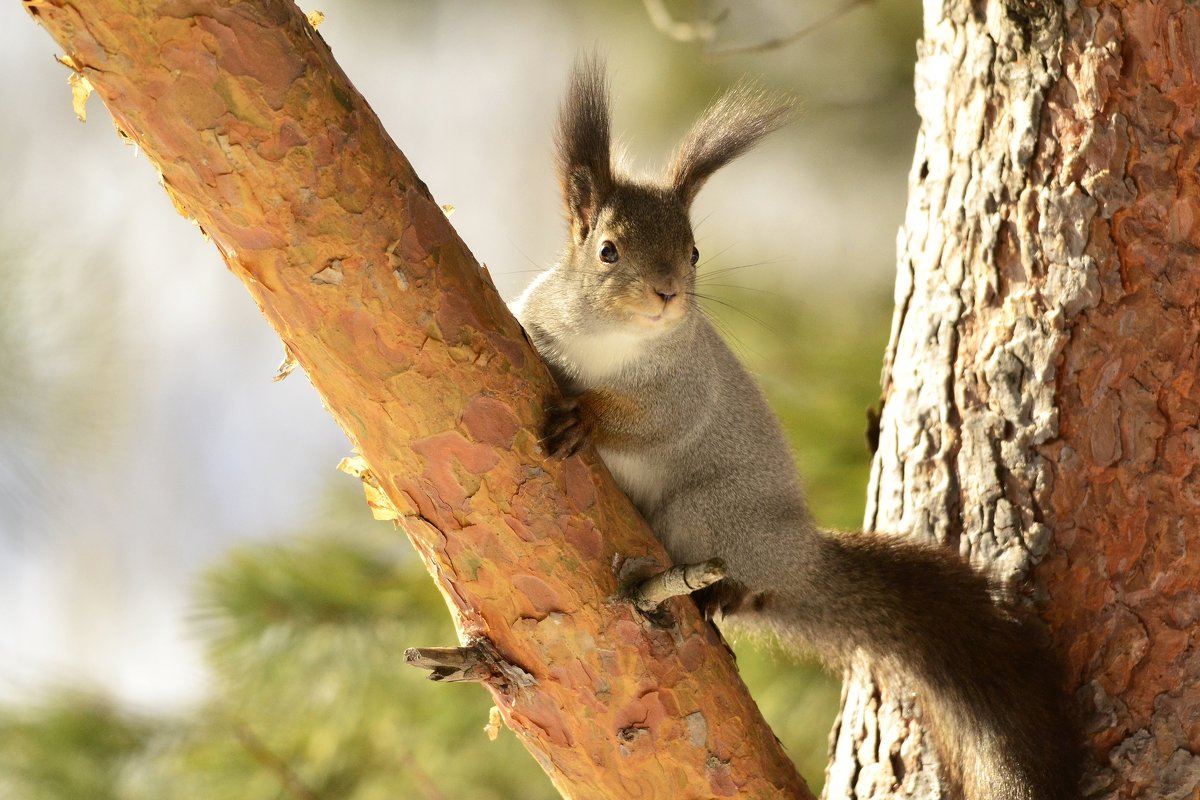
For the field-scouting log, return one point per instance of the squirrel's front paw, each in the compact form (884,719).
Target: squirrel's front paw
(567,429)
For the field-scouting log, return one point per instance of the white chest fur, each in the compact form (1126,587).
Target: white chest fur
(595,357)
(641,477)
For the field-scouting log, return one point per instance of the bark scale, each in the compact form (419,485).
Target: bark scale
(1041,387)
(262,140)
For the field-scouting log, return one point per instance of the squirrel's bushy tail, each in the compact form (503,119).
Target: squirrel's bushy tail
(991,693)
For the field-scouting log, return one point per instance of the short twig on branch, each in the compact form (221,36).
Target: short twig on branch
(678,580)
(477,662)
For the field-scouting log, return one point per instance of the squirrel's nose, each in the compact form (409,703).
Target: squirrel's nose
(666,289)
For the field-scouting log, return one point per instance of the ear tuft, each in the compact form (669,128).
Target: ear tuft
(584,161)
(737,121)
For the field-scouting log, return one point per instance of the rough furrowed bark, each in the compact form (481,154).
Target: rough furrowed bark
(1124,499)
(1041,381)
(264,142)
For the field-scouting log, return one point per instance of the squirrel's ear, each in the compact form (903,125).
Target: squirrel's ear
(584,165)
(729,127)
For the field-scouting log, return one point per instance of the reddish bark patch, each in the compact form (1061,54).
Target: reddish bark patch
(540,712)
(419,499)
(719,780)
(579,483)
(692,654)
(270,61)
(646,712)
(489,421)
(540,595)
(627,633)
(324,148)
(397,352)
(430,226)
(586,538)
(519,528)
(456,319)
(450,462)
(287,137)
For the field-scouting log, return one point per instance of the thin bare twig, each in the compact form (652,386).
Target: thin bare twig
(783,41)
(428,788)
(272,762)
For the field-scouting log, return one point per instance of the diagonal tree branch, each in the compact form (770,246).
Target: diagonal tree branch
(262,139)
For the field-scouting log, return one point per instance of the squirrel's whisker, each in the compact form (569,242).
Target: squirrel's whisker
(732,307)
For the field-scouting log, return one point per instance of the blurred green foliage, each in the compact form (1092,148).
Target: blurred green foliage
(311,698)
(73,745)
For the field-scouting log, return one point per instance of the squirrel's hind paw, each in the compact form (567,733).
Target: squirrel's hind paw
(728,597)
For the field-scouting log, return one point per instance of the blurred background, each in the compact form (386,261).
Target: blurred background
(194,603)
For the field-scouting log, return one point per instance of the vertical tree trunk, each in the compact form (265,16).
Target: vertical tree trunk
(1041,383)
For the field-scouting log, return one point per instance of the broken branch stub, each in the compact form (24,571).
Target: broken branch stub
(477,662)
(677,581)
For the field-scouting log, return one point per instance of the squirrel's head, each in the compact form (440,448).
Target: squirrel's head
(631,249)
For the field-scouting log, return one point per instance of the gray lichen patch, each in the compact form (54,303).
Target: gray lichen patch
(697,728)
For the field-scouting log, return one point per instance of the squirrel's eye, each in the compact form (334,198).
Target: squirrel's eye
(608,252)
(695,256)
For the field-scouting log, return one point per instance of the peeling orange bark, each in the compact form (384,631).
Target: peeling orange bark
(262,139)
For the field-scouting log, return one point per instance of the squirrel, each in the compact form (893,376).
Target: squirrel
(687,434)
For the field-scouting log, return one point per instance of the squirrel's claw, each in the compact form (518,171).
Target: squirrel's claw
(727,597)
(566,431)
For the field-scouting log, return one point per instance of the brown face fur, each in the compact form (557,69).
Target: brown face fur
(649,285)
